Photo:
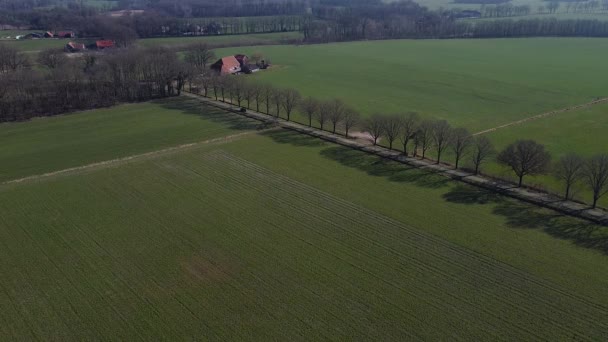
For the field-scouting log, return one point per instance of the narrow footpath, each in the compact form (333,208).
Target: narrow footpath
(508,189)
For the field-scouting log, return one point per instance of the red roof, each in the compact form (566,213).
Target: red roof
(65,34)
(230,65)
(76,46)
(102,44)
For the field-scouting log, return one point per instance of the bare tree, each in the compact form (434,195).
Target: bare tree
(237,89)
(596,176)
(442,136)
(336,112)
(482,150)
(351,118)
(309,107)
(525,157)
(266,90)
(52,58)
(322,114)
(278,95)
(424,136)
(249,93)
(291,98)
(11,59)
(258,94)
(409,126)
(375,127)
(569,169)
(199,55)
(391,127)
(461,141)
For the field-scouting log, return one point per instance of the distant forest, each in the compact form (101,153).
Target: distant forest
(318,20)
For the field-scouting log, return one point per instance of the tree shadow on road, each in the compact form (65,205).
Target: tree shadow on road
(285,136)
(195,107)
(380,167)
(522,215)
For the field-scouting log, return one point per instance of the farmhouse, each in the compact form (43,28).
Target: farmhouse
(227,65)
(74,47)
(65,34)
(104,44)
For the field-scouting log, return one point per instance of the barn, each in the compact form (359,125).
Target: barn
(227,65)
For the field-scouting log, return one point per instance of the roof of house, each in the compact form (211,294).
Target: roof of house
(101,44)
(229,65)
(49,33)
(76,46)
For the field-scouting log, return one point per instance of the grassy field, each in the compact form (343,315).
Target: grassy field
(50,144)
(37,45)
(281,236)
(243,39)
(581,131)
(477,84)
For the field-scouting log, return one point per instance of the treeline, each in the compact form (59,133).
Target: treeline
(93,81)
(506,10)
(412,135)
(444,27)
(481,2)
(224,8)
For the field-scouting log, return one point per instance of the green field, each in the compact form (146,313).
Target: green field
(478,83)
(242,39)
(582,131)
(36,45)
(276,235)
(49,144)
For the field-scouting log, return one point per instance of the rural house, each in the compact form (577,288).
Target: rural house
(104,44)
(65,34)
(227,66)
(74,47)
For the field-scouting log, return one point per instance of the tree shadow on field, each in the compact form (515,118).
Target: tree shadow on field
(380,167)
(521,215)
(285,136)
(194,107)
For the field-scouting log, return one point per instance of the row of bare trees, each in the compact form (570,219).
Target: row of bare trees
(414,135)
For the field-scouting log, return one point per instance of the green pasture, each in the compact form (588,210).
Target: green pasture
(56,143)
(36,45)
(278,236)
(477,83)
(242,39)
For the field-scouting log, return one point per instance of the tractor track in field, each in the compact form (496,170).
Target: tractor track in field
(488,273)
(544,115)
(122,160)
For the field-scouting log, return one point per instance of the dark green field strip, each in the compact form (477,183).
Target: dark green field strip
(487,273)
(206,245)
(50,144)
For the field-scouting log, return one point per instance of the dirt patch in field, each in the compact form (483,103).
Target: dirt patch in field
(208,270)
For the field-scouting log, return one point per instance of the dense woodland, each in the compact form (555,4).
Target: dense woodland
(93,81)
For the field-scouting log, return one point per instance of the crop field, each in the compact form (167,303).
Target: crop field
(37,45)
(49,144)
(277,235)
(478,83)
(238,39)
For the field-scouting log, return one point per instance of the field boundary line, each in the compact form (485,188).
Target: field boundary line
(541,199)
(122,160)
(544,115)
